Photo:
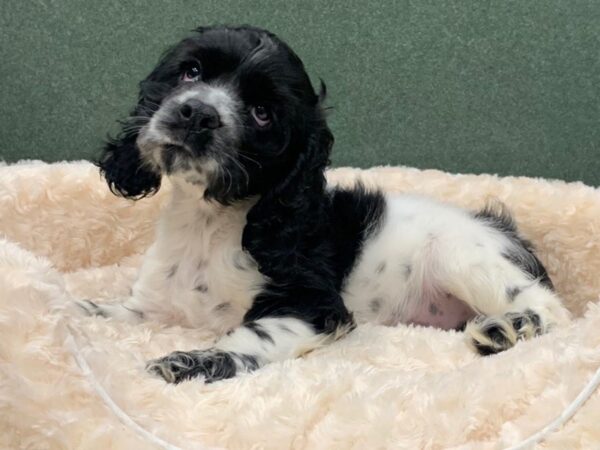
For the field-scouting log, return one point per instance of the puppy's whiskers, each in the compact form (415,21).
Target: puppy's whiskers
(250,159)
(242,169)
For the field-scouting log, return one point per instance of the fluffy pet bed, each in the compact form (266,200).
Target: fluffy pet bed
(69,381)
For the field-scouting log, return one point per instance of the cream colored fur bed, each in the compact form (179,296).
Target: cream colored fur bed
(64,236)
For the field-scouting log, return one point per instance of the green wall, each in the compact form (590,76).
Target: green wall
(509,87)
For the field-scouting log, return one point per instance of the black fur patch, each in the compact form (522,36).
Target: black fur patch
(121,163)
(249,362)
(523,255)
(259,331)
(512,292)
(357,214)
(290,234)
(306,241)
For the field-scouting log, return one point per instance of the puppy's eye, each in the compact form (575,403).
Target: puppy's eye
(191,72)
(261,115)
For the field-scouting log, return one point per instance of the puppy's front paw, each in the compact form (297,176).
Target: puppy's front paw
(179,366)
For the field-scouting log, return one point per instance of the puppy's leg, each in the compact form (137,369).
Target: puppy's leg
(244,349)
(148,300)
(511,304)
(488,265)
(280,334)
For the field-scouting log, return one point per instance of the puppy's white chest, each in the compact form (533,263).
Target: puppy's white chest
(196,272)
(214,285)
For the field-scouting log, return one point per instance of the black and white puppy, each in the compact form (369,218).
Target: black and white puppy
(255,245)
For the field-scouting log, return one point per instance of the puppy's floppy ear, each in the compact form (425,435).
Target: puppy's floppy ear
(121,163)
(308,172)
(292,210)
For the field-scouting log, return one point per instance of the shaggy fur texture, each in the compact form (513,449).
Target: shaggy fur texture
(66,236)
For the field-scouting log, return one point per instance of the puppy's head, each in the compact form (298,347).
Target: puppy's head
(228,110)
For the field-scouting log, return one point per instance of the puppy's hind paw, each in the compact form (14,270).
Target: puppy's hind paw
(490,335)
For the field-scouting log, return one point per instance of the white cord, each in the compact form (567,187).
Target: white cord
(565,416)
(567,413)
(121,415)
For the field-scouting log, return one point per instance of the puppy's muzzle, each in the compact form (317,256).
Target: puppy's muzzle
(197,115)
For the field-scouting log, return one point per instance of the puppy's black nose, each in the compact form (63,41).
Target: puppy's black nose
(198,114)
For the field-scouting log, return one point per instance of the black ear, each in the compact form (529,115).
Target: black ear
(296,201)
(125,171)
(121,164)
(308,171)
(292,212)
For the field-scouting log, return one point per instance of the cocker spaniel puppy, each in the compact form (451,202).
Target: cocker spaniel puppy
(255,245)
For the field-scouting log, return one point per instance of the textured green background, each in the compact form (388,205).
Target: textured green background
(509,87)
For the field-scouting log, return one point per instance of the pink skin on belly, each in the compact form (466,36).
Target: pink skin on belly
(442,311)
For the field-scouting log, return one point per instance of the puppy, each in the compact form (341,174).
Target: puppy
(256,246)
